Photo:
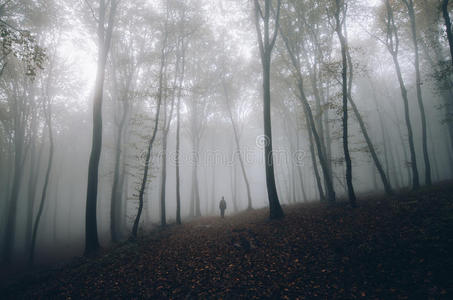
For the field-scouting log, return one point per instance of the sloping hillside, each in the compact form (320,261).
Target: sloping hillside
(390,248)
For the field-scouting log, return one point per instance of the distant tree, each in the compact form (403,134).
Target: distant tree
(227,84)
(19,48)
(182,54)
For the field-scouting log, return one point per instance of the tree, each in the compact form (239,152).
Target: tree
(266,42)
(178,130)
(47,107)
(124,68)
(226,82)
(167,118)
(20,115)
(380,169)
(104,36)
(392,43)
(446,15)
(340,17)
(410,8)
(294,48)
(19,49)
(160,94)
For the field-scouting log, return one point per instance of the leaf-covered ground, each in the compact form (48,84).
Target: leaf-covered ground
(387,248)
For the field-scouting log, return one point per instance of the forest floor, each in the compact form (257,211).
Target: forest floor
(396,247)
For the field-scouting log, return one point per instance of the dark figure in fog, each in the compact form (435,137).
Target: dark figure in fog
(222,206)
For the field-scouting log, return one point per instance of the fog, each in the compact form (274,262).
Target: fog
(102,101)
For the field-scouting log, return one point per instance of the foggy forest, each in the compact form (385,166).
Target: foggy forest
(234,149)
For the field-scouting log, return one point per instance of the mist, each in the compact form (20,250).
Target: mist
(119,118)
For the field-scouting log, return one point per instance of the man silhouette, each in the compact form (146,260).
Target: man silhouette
(222,206)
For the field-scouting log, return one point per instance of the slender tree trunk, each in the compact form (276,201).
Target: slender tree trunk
(32,186)
(385,181)
(142,189)
(233,186)
(383,131)
(19,141)
(266,44)
(104,38)
(415,176)
(116,196)
(196,191)
(145,172)
(46,183)
(393,46)
(163,218)
(213,201)
(344,74)
(178,176)
(311,122)
(238,148)
(322,197)
(178,134)
(410,7)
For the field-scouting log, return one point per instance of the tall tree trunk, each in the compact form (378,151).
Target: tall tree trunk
(413,162)
(311,122)
(149,149)
(104,38)
(344,74)
(163,217)
(266,44)
(35,164)
(393,47)
(46,183)
(410,7)
(178,133)
(385,181)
